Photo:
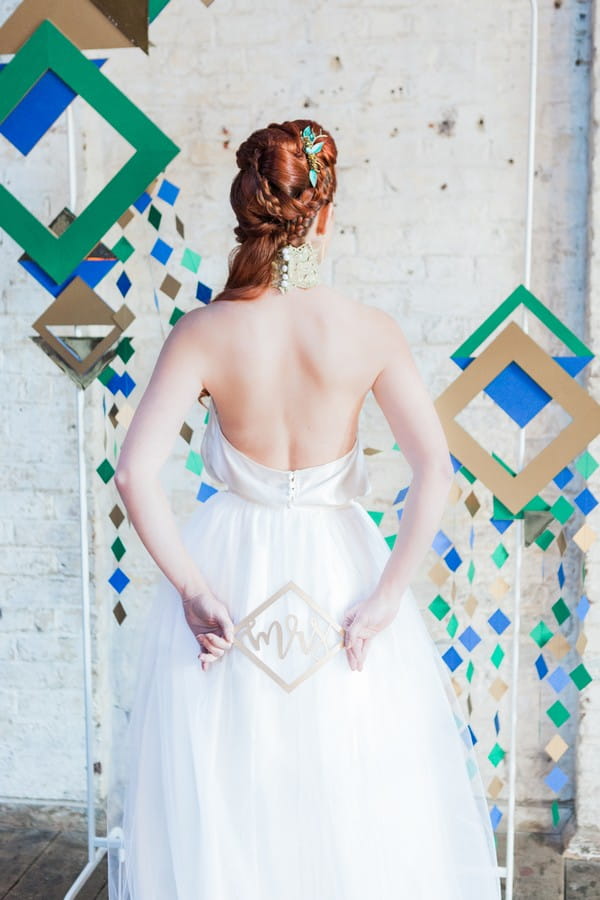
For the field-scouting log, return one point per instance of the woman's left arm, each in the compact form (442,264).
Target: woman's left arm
(176,381)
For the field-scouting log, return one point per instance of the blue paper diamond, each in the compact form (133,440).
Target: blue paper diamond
(123,283)
(452,559)
(495,816)
(516,392)
(583,607)
(559,679)
(142,202)
(499,621)
(168,192)
(560,574)
(119,580)
(563,478)
(556,779)
(501,525)
(586,501)
(161,251)
(206,491)
(452,658)
(39,109)
(441,543)
(469,638)
(542,668)
(401,495)
(497,724)
(127,384)
(203,292)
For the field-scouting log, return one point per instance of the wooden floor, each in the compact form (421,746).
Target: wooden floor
(41,864)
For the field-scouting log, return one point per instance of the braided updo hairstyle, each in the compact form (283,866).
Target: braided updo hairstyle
(274,202)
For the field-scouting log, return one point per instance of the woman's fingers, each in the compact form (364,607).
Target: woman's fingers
(215,647)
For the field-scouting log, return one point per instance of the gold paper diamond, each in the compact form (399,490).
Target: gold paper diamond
(294,647)
(495,786)
(514,345)
(556,747)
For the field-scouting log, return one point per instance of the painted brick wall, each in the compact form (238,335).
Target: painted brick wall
(428,103)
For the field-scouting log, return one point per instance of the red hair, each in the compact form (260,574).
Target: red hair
(274,202)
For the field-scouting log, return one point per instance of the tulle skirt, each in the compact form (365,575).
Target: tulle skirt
(353,785)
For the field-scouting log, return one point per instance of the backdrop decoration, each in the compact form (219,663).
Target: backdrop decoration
(520,379)
(81,356)
(130,17)
(173,268)
(46,49)
(79,20)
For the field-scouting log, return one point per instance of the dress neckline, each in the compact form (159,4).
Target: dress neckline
(255,462)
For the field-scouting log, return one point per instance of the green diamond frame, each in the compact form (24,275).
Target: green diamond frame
(48,48)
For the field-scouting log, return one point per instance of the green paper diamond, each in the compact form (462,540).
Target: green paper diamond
(555,813)
(496,754)
(452,625)
(439,607)
(106,374)
(118,548)
(471,572)
(376,516)
(500,555)
(545,539)
(497,656)
(175,315)
(191,260)
(194,462)
(470,670)
(580,677)
(562,510)
(155,217)
(561,611)
(124,349)
(123,249)
(391,540)
(586,464)
(558,713)
(105,471)
(541,634)
(48,48)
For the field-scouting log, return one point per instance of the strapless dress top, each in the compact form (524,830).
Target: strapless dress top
(335,483)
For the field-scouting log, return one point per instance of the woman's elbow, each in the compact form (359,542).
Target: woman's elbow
(123,479)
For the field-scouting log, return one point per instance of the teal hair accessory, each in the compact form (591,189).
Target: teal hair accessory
(311,149)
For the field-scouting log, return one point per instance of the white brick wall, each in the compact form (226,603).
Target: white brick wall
(428,103)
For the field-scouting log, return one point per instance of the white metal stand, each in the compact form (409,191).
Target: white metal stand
(97,845)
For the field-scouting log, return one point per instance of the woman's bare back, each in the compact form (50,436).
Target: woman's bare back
(289,373)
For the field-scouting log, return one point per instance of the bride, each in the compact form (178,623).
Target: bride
(294,732)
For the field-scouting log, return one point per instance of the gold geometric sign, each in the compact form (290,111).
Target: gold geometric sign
(293,647)
(514,345)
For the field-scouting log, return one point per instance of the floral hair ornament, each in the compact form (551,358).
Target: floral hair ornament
(311,149)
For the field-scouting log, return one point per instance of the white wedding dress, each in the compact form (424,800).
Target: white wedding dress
(280,773)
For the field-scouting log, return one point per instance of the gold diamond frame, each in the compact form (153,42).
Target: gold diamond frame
(247,620)
(513,344)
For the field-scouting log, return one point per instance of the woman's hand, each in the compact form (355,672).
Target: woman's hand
(206,616)
(363,621)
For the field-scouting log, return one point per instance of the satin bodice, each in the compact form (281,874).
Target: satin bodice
(334,483)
